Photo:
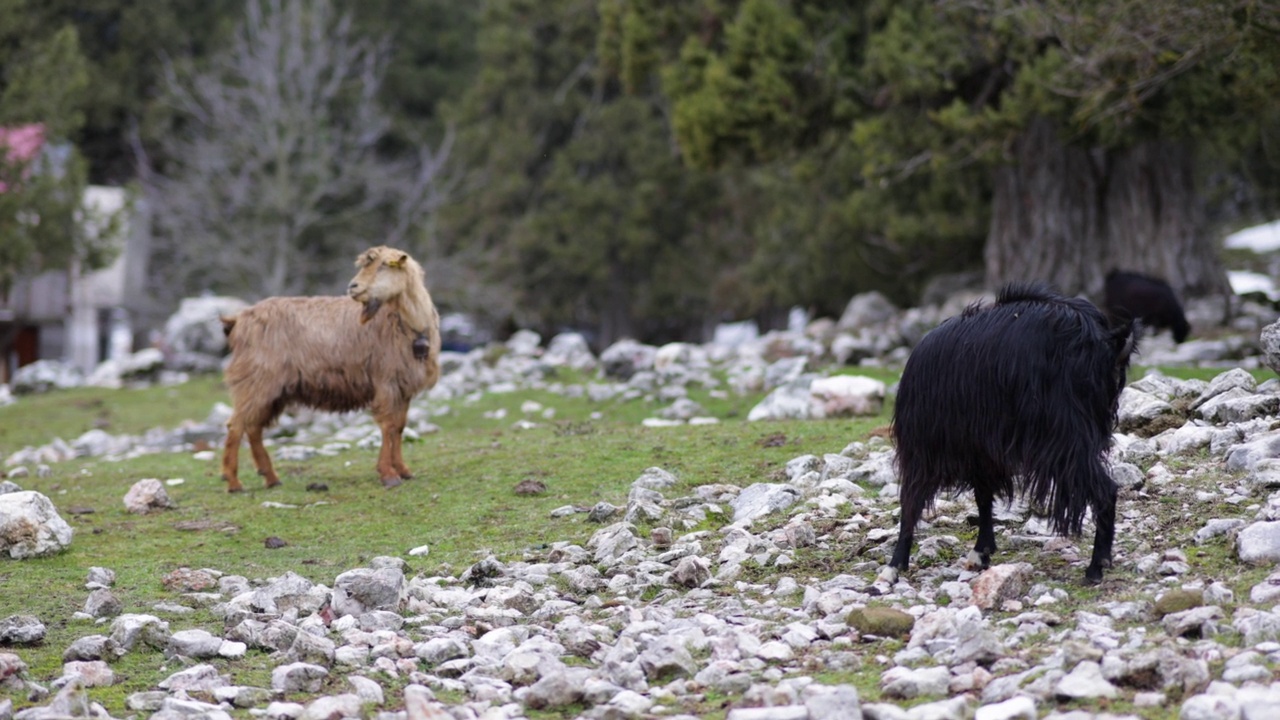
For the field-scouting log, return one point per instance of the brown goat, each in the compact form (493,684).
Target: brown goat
(337,354)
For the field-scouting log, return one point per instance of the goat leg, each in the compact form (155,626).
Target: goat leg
(906,534)
(387,470)
(1103,538)
(980,558)
(261,460)
(231,457)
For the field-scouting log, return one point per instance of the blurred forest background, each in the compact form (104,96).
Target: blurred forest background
(649,168)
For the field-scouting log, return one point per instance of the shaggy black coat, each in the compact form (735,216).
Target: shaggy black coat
(1017,396)
(1132,296)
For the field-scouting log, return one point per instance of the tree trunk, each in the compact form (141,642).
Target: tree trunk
(616,321)
(1068,215)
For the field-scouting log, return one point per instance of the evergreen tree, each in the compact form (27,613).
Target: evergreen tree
(124,43)
(579,206)
(1069,136)
(42,84)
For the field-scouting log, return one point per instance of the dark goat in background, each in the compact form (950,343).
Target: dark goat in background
(1016,396)
(1133,296)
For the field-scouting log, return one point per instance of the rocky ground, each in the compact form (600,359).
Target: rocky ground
(751,616)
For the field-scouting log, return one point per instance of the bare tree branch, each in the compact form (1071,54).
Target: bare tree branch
(273,175)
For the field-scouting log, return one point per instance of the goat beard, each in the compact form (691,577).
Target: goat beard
(370,309)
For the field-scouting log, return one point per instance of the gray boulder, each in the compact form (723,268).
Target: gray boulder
(363,589)
(865,309)
(569,349)
(761,499)
(130,630)
(1259,543)
(790,401)
(30,526)
(196,328)
(147,496)
(1269,338)
(298,678)
(44,375)
(625,358)
(21,630)
(142,366)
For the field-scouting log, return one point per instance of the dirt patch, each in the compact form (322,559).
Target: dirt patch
(207,524)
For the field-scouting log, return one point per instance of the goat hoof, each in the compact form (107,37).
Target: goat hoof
(976,561)
(888,575)
(406,475)
(390,482)
(235,489)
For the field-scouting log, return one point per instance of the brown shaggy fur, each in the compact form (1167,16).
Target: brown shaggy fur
(337,354)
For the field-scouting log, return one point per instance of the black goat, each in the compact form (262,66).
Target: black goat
(1016,396)
(1133,296)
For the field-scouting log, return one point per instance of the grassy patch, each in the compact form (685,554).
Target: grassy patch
(68,414)
(461,504)
(1197,373)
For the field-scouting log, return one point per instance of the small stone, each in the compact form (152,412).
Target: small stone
(1085,681)
(530,486)
(368,691)
(93,673)
(198,644)
(147,496)
(100,577)
(21,630)
(1259,543)
(906,683)
(691,572)
(1007,581)
(186,580)
(1210,707)
(1020,707)
(1177,600)
(284,711)
(880,621)
(102,603)
(149,701)
(420,704)
(333,707)
(92,647)
(602,511)
(298,678)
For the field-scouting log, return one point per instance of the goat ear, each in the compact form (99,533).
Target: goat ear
(398,261)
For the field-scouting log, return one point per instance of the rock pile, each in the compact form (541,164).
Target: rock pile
(633,624)
(668,622)
(627,371)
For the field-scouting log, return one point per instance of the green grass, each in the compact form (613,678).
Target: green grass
(68,414)
(461,504)
(1198,373)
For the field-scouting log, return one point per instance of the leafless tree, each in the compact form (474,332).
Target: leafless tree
(272,173)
